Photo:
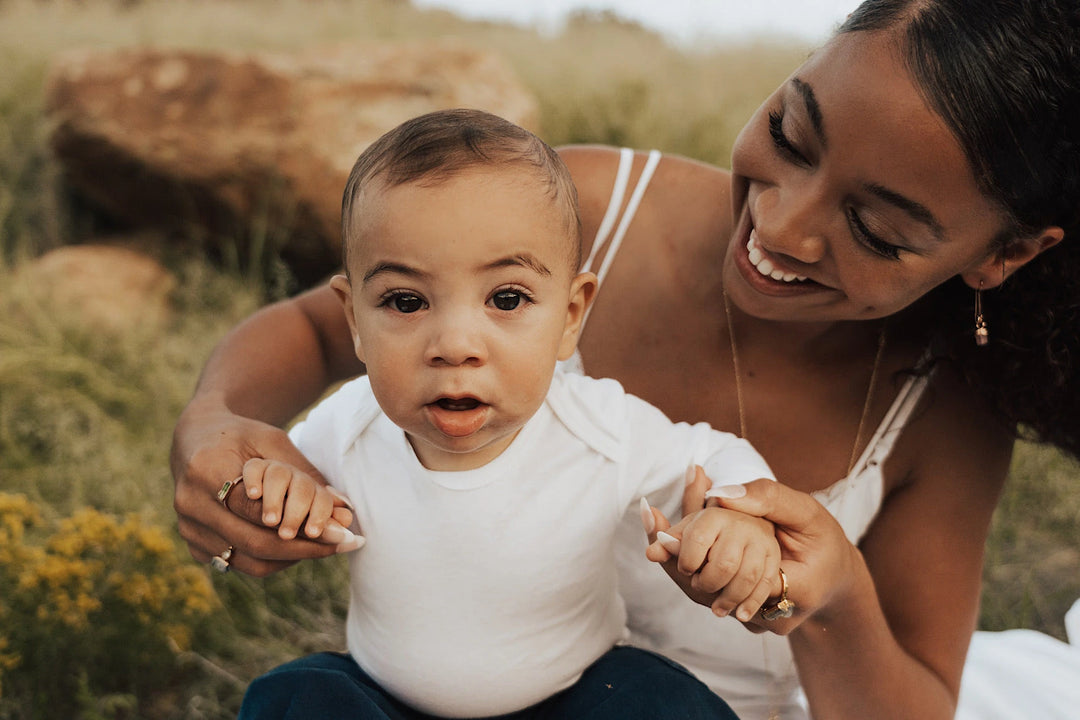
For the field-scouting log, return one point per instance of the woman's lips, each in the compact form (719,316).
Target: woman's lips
(458,417)
(762,273)
(765,266)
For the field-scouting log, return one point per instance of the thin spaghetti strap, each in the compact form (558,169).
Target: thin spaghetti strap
(618,192)
(895,419)
(628,216)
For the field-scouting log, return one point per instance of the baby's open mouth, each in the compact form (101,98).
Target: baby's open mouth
(458,404)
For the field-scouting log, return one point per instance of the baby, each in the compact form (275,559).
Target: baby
(488,483)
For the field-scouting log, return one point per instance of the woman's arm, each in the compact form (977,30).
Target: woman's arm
(899,632)
(881,630)
(265,371)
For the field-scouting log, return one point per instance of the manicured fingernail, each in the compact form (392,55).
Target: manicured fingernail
(647,519)
(691,473)
(336,533)
(743,614)
(269,519)
(354,542)
(727,492)
(670,543)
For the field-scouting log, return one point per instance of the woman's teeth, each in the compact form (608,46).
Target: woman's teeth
(764,266)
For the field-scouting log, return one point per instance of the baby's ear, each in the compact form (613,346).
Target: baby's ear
(343,289)
(582,291)
(992,271)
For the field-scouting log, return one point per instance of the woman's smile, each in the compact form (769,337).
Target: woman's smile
(765,266)
(765,273)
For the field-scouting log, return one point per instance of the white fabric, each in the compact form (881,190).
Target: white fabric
(1010,675)
(755,674)
(479,593)
(1023,674)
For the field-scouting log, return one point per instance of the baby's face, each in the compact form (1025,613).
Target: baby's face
(462,299)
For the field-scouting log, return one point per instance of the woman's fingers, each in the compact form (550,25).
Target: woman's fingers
(768,499)
(697,484)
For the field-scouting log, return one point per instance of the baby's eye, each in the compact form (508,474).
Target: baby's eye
(506,299)
(406,303)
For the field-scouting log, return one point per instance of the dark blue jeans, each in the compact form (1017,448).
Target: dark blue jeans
(624,684)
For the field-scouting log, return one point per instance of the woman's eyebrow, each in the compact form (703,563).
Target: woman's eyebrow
(918,211)
(813,109)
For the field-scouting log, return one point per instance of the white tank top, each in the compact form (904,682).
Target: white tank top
(755,674)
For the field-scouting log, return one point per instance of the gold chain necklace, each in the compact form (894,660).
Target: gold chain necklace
(774,712)
(866,403)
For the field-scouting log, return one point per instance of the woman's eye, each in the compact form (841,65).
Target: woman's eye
(406,303)
(780,140)
(872,241)
(506,300)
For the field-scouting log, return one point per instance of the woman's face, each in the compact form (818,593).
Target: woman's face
(851,197)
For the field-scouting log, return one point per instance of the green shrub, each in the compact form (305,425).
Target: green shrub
(96,609)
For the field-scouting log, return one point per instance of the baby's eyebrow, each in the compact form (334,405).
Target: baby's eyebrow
(381,268)
(520,260)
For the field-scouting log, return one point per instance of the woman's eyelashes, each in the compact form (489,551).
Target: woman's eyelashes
(781,142)
(869,239)
(859,229)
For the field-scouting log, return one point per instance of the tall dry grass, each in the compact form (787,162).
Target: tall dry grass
(86,418)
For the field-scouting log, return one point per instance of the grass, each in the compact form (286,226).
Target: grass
(86,417)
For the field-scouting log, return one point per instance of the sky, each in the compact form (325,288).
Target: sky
(684,21)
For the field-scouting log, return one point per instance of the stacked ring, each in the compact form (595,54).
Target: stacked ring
(221,562)
(782,608)
(226,488)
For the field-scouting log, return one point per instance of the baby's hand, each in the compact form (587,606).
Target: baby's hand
(289,496)
(727,560)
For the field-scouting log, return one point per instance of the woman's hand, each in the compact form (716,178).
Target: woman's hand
(210,447)
(816,556)
(721,558)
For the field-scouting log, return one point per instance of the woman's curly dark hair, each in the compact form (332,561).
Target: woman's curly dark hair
(1005,77)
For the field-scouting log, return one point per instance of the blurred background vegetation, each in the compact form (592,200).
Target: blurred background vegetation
(102,612)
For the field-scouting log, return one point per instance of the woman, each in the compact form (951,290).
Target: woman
(911,189)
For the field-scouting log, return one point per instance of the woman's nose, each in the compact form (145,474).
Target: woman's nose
(456,339)
(791,223)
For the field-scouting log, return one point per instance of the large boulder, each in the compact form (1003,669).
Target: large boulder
(241,148)
(111,288)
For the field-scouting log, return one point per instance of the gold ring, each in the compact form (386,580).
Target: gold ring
(221,562)
(782,608)
(223,493)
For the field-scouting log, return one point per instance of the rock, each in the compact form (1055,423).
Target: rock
(113,288)
(237,148)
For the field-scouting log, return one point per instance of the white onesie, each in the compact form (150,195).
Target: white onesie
(483,592)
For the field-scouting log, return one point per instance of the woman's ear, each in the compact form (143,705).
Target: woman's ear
(343,289)
(992,271)
(582,291)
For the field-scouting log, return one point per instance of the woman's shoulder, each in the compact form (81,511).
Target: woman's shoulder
(955,433)
(685,199)
(593,167)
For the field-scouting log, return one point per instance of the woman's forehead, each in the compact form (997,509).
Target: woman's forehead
(881,133)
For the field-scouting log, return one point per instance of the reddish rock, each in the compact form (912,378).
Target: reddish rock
(230,147)
(112,288)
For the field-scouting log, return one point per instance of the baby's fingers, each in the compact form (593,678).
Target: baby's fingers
(322,508)
(253,477)
(738,594)
(768,586)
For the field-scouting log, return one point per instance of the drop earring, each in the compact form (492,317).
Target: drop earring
(982,335)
